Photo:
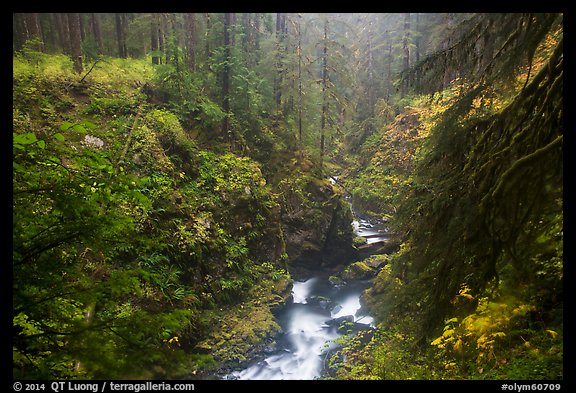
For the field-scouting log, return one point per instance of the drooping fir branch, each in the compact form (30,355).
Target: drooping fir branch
(487,181)
(485,48)
(519,164)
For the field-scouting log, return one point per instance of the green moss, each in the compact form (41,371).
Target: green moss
(359,241)
(358,271)
(240,333)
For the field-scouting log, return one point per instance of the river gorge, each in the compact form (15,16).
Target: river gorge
(323,307)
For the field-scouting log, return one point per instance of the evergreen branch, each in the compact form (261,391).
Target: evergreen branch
(519,164)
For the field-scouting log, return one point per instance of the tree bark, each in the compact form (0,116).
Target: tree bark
(19,30)
(190,27)
(280,38)
(405,50)
(27,27)
(257,31)
(324,95)
(154,39)
(35,30)
(75,41)
(226,75)
(448,71)
(406,42)
(120,35)
(299,53)
(389,71)
(97,31)
(82,27)
(371,85)
(64,32)
(207,49)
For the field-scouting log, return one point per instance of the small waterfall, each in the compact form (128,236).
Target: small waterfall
(308,331)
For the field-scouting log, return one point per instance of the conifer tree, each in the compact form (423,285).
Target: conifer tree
(488,183)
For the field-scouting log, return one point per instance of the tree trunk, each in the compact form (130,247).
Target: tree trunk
(257,31)
(487,48)
(417,39)
(448,71)
(154,40)
(82,28)
(50,33)
(406,42)
(226,75)
(190,27)
(280,38)
(389,71)
(120,35)
(75,41)
(417,45)
(97,31)
(36,30)
(29,28)
(405,50)
(161,42)
(19,30)
(167,37)
(324,95)
(207,49)
(371,85)
(64,32)
(299,53)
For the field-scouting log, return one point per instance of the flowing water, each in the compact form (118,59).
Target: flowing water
(310,323)
(309,328)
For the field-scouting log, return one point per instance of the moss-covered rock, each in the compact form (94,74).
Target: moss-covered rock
(377,261)
(236,334)
(240,334)
(358,271)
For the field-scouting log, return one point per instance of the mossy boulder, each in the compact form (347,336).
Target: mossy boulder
(377,261)
(358,271)
(241,332)
(240,335)
(316,221)
(366,268)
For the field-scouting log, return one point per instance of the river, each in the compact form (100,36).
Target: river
(310,323)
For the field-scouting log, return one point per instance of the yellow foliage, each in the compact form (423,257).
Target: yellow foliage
(464,293)
(458,345)
(172,343)
(450,366)
(522,309)
(551,333)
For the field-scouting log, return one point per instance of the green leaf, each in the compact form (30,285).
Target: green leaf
(59,137)
(25,139)
(65,126)
(41,144)
(79,128)
(89,125)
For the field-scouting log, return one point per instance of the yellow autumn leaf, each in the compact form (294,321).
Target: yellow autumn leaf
(458,345)
(449,366)
(437,341)
(551,333)
(448,333)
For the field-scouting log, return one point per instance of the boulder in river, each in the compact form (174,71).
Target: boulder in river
(358,271)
